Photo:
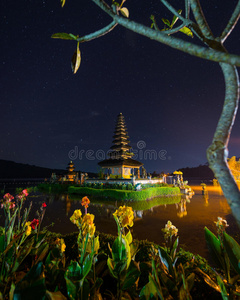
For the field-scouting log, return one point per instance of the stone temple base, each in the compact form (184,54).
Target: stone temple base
(132,181)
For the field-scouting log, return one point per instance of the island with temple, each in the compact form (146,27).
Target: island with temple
(122,177)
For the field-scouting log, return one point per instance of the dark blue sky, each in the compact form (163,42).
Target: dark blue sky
(171,101)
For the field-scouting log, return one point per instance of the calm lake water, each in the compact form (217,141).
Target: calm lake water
(190,216)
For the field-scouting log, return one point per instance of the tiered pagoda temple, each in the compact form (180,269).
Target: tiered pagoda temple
(71,175)
(120,163)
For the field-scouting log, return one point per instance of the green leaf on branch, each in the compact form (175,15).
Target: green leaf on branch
(63,2)
(116,3)
(175,18)
(166,22)
(124,11)
(186,31)
(76,60)
(64,36)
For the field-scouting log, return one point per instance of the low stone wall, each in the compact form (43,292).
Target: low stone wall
(125,181)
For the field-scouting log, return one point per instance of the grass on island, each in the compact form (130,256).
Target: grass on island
(126,194)
(115,194)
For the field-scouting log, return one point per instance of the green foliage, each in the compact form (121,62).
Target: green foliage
(170,25)
(126,194)
(214,246)
(121,264)
(168,279)
(233,251)
(31,189)
(53,188)
(32,284)
(64,36)
(225,250)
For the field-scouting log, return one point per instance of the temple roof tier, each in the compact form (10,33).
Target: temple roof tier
(121,147)
(120,136)
(127,162)
(120,152)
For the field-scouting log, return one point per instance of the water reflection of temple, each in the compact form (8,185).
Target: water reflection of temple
(182,205)
(105,210)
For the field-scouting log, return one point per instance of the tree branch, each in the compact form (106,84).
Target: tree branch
(98,33)
(200,19)
(217,152)
(173,42)
(174,11)
(174,30)
(187,9)
(231,23)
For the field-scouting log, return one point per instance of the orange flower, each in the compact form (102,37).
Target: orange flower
(85,201)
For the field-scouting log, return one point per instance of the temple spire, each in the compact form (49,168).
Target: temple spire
(121,147)
(120,164)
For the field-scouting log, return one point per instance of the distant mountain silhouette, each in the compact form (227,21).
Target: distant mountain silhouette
(202,171)
(10,169)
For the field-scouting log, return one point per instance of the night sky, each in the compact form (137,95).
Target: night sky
(171,101)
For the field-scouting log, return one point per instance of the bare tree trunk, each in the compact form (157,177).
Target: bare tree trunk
(217,152)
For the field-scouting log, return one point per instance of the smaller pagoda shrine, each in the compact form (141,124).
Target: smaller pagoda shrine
(120,165)
(71,175)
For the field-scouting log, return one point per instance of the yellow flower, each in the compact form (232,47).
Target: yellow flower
(76,218)
(125,216)
(63,246)
(28,228)
(60,243)
(88,218)
(88,225)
